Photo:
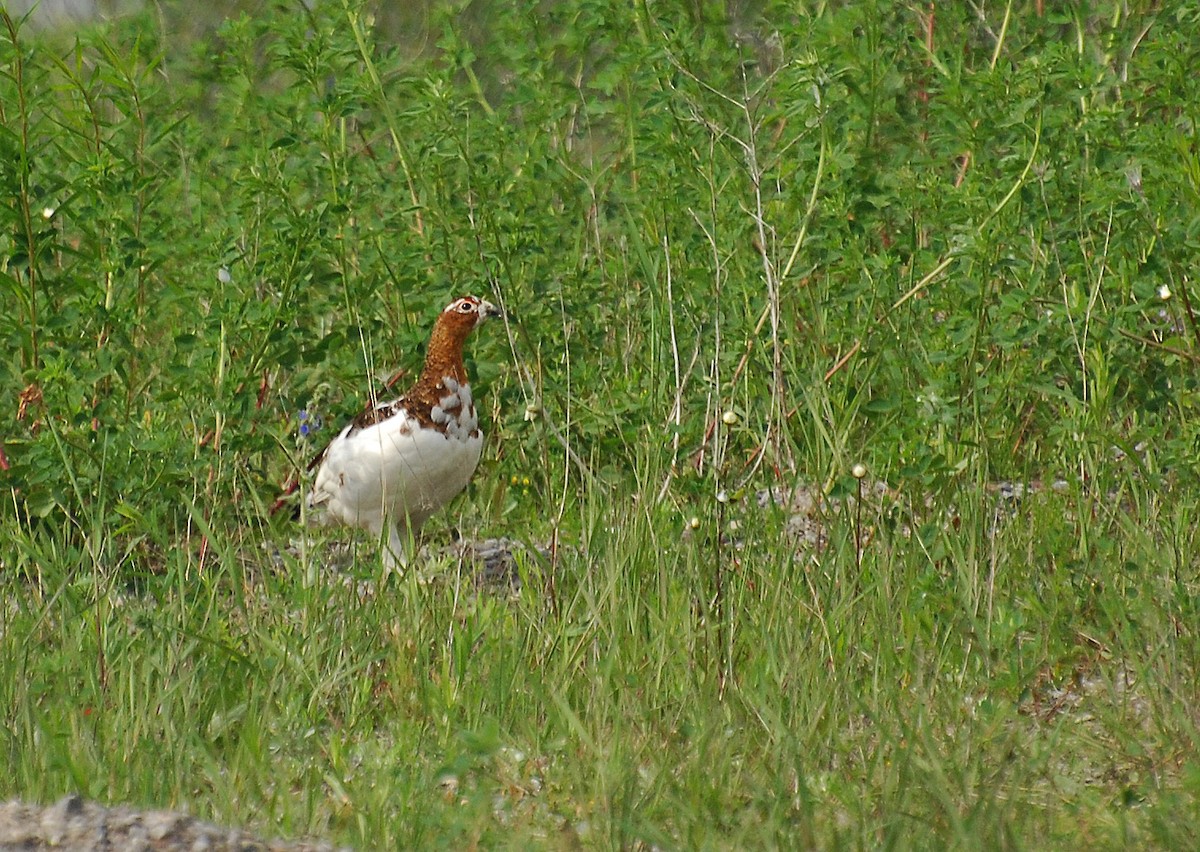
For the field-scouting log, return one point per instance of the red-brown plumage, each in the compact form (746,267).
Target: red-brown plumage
(399,461)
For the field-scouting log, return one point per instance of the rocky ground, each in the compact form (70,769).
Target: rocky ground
(81,826)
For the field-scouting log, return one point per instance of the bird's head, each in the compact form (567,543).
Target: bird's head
(457,320)
(463,315)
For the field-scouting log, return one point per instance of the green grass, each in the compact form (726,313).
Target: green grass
(957,254)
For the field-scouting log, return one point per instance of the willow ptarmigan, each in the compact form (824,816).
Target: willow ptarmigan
(400,461)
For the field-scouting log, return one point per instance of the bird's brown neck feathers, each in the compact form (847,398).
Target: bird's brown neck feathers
(443,358)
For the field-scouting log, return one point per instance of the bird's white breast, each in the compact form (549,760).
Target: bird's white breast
(398,469)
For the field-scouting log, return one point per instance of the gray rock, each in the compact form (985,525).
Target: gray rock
(81,826)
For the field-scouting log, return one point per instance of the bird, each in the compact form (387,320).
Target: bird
(401,460)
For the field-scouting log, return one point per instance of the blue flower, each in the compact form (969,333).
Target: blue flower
(308,423)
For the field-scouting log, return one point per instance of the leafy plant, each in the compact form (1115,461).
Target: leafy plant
(848,377)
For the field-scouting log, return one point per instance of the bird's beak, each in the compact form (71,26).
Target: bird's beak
(488,310)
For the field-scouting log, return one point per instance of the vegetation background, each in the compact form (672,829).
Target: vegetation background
(742,245)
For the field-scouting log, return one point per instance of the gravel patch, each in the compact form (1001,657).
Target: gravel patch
(82,826)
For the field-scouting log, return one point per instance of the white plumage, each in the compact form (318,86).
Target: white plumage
(401,461)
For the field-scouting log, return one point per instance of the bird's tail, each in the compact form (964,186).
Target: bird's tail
(285,497)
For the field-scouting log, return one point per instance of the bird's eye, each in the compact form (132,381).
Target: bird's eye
(465,307)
